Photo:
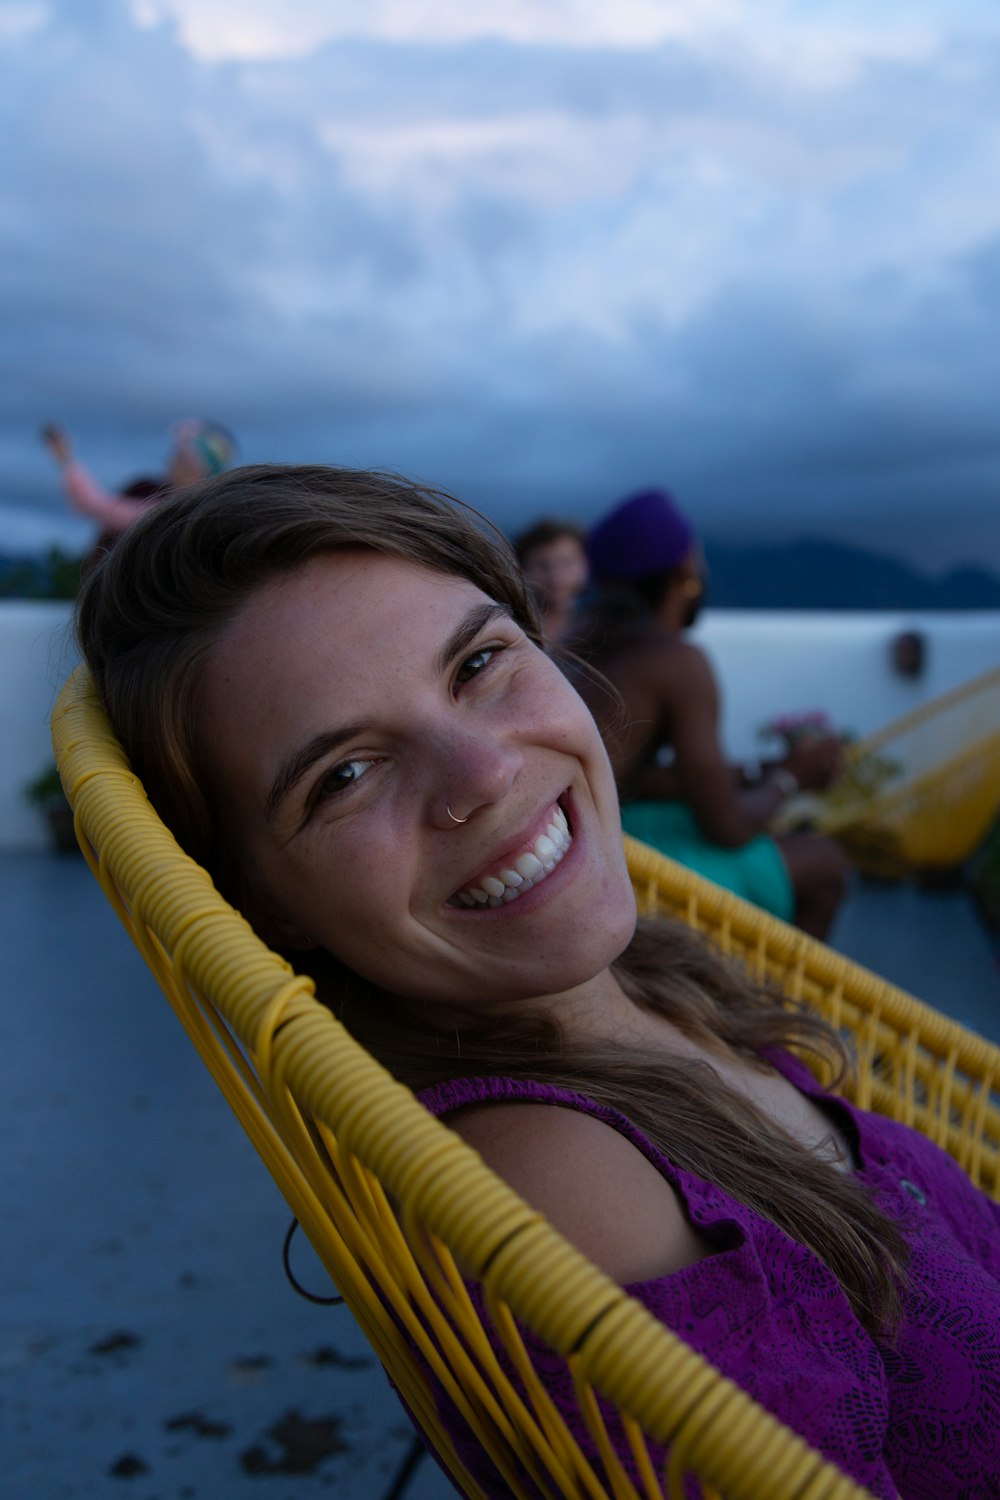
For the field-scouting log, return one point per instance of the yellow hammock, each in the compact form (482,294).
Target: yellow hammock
(393,1201)
(922,793)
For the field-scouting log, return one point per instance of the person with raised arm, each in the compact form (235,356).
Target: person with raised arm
(200,450)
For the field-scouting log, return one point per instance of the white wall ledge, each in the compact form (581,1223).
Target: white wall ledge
(769,662)
(772,662)
(36,655)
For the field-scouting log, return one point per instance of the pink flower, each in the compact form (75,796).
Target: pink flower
(793,727)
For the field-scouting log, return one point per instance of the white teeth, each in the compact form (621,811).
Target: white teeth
(527,870)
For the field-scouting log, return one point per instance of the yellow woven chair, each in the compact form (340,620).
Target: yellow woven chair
(922,793)
(394,1202)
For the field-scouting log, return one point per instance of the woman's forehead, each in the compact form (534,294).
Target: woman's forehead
(347,638)
(359,599)
(346,579)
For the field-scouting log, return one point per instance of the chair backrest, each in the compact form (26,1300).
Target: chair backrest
(923,791)
(394,1202)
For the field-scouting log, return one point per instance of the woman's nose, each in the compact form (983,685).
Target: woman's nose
(474,771)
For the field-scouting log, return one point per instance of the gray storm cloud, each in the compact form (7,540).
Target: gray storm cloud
(762,266)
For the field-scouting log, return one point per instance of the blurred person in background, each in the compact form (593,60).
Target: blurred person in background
(553,559)
(200,450)
(660,719)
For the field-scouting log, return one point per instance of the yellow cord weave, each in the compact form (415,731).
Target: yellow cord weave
(393,1201)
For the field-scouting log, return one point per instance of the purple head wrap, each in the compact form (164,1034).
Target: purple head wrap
(646,533)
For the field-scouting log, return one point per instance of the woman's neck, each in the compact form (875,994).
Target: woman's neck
(597,1011)
(600,1011)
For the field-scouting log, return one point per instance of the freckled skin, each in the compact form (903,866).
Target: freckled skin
(360,856)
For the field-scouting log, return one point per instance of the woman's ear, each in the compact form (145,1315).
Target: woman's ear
(279,934)
(267,922)
(275,930)
(297,942)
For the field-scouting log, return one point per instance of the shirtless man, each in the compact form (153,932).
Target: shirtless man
(678,791)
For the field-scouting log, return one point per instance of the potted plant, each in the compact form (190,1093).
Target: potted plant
(46,793)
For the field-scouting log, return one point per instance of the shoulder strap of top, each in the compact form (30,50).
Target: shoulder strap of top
(443,1098)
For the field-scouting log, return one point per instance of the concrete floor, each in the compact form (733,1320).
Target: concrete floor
(149,1344)
(929,942)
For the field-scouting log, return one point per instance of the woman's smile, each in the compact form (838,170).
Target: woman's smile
(525,866)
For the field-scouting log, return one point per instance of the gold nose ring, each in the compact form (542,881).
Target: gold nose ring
(452,815)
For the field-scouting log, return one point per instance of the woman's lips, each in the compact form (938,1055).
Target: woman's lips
(505,881)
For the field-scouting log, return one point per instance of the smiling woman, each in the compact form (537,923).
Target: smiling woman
(349,704)
(333,687)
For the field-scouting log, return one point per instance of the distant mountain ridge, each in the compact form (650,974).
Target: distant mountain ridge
(831,575)
(817,575)
(52,575)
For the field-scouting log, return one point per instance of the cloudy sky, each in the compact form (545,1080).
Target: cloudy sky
(537,251)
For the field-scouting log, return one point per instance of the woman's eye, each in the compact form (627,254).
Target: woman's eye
(343,775)
(474,664)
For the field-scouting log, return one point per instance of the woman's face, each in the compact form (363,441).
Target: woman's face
(348,706)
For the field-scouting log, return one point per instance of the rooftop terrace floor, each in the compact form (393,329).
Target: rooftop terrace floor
(149,1344)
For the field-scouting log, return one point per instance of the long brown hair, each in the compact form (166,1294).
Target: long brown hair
(147,619)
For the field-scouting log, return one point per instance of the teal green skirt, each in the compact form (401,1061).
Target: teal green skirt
(756,871)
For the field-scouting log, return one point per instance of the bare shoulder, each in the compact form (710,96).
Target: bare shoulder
(688,663)
(676,666)
(591,1183)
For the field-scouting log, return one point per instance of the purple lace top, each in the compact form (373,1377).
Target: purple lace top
(916,1417)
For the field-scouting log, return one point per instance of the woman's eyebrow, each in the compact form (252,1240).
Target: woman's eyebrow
(466,631)
(292,769)
(297,764)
